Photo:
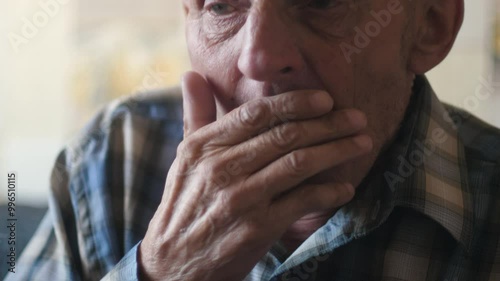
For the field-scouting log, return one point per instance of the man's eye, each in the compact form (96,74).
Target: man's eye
(321,4)
(221,9)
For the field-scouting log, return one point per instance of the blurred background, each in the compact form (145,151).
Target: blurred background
(62,60)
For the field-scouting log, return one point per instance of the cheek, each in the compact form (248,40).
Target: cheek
(327,62)
(379,71)
(218,64)
(381,48)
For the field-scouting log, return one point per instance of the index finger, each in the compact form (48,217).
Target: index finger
(198,102)
(257,116)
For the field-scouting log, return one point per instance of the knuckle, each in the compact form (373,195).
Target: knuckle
(227,203)
(189,148)
(188,151)
(285,135)
(251,114)
(284,106)
(219,177)
(222,215)
(296,163)
(250,232)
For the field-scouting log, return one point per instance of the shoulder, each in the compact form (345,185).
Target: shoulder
(127,125)
(126,149)
(480,139)
(481,153)
(481,143)
(109,180)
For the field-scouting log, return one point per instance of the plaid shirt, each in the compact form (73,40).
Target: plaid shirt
(430,211)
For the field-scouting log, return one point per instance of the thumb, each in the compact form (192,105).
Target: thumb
(198,102)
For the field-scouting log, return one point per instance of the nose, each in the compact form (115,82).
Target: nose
(269,50)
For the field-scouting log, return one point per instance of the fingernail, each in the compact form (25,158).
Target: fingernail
(321,101)
(350,189)
(364,141)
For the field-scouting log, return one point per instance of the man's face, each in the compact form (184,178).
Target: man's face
(352,49)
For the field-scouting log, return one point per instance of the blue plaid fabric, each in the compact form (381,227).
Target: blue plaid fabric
(428,210)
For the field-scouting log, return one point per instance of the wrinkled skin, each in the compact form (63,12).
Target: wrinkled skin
(280,128)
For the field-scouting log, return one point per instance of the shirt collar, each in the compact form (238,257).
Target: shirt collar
(427,170)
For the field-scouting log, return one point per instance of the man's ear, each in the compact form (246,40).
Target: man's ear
(437,23)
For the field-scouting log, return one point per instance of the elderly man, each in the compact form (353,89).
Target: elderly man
(313,149)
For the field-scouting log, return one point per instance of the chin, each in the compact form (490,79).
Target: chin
(352,172)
